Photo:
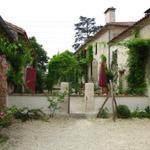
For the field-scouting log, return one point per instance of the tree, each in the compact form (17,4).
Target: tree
(85,29)
(63,68)
(40,60)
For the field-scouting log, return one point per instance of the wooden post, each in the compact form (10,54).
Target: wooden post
(114,103)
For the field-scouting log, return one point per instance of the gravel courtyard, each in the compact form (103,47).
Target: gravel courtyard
(79,134)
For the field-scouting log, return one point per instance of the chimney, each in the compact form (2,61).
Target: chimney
(110,15)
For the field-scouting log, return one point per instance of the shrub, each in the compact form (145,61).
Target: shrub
(109,75)
(123,111)
(6,117)
(141,114)
(25,114)
(103,114)
(54,103)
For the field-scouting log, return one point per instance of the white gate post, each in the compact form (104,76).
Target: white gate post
(64,87)
(89,98)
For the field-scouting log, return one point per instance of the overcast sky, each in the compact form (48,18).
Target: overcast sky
(52,21)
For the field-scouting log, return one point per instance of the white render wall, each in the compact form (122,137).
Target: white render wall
(131,102)
(102,47)
(77,104)
(28,101)
(145,31)
(110,16)
(123,56)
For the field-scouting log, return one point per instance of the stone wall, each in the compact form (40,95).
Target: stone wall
(77,103)
(87,105)
(3,93)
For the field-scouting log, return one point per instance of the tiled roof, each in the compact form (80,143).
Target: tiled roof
(104,28)
(147,11)
(6,29)
(128,31)
(122,23)
(111,8)
(9,27)
(16,29)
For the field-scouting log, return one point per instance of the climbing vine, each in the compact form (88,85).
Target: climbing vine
(137,58)
(85,58)
(18,55)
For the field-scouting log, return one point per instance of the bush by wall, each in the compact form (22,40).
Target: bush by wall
(123,111)
(103,114)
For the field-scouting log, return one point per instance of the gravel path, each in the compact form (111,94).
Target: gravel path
(79,134)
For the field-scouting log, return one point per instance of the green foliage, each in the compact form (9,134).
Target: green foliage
(120,87)
(40,61)
(141,114)
(18,55)
(103,114)
(85,29)
(85,58)
(103,58)
(63,68)
(109,75)
(6,121)
(89,57)
(6,118)
(136,32)
(114,65)
(54,102)
(123,111)
(138,55)
(25,114)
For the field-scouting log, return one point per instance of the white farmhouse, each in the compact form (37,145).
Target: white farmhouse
(99,42)
(143,28)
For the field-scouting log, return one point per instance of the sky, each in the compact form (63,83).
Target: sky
(52,21)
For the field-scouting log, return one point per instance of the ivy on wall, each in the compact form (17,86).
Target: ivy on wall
(137,59)
(85,58)
(18,55)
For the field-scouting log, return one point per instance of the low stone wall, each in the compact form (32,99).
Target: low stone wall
(29,101)
(78,104)
(133,102)
(87,104)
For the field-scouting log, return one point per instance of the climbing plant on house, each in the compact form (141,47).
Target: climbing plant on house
(85,58)
(137,58)
(18,55)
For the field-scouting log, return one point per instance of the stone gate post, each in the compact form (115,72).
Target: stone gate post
(64,87)
(89,98)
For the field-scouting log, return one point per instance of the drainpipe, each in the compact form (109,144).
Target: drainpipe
(108,50)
